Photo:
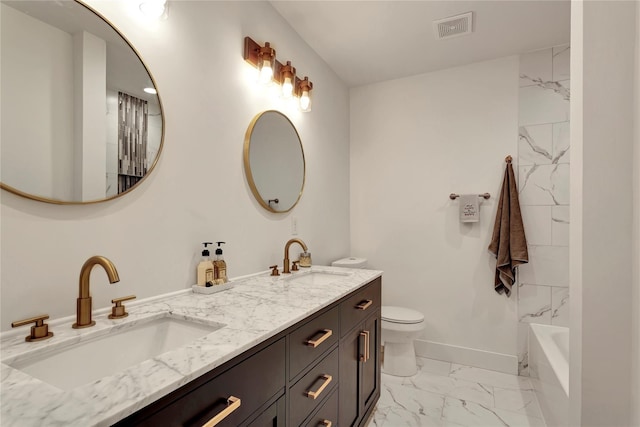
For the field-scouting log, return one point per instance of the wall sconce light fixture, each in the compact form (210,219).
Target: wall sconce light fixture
(270,69)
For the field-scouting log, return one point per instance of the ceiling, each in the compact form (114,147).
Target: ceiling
(371,41)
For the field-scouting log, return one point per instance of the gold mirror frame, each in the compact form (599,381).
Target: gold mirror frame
(14,190)
(247,163)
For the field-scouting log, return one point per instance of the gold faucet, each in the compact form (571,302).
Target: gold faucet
(286,267)
(83,311)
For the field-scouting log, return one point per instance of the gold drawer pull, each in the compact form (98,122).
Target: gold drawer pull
(233,403)
(364,304)
(315,394)
(326,423)
(314,344)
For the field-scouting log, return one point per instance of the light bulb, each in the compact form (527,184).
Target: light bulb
(305,101)
(287,87)
(153,8)
(266,73)
(150,90)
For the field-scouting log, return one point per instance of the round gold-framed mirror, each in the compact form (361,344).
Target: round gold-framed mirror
(78,126)
(274,162)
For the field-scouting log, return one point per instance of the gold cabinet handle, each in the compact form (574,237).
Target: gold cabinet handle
(363,354)
(364,304)
(233,403)
(367,350)
(326,423)
(39,331)
(118,310)
(323,338)
(314,394)
(364,357)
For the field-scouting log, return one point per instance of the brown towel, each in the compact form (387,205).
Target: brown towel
(508,244)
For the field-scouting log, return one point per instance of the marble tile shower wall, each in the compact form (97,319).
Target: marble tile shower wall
(543,179)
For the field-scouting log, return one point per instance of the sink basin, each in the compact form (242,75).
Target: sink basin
(90,360)
(317,278)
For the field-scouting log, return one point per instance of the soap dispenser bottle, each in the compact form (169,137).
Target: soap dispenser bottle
(219,267)
(205,276)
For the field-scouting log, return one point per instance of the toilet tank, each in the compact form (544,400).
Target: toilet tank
(350,262)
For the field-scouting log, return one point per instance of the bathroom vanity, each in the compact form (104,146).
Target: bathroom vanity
(303,349)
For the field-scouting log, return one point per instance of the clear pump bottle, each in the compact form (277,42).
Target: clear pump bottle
(205,271)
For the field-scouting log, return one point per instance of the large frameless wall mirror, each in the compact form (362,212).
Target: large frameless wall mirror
(274,161)
(77,124)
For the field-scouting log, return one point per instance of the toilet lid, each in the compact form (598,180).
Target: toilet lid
(401,315)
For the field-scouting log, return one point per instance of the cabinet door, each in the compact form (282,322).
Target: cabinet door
(272,417)
(351,353)
(359,371)
(370,371)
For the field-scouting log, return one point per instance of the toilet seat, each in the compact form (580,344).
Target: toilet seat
(401,315)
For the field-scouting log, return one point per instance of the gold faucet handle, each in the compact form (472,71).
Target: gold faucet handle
(118,311)
(274,270)
(294,266)
(39,331)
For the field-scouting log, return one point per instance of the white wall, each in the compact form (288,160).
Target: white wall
(90,136)
(197,191)
(37,137)
(543,157)
(414,141)
(603,50)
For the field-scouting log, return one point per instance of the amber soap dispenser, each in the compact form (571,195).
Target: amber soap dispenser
(219,267)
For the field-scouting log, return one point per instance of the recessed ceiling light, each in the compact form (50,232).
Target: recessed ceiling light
(150,90)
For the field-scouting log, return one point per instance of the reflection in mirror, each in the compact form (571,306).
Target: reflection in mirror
(274,161)
(77,125)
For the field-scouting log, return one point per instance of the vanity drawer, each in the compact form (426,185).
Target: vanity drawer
(312,339)
(318,382)
(360,305)
(328,413)
(254,381)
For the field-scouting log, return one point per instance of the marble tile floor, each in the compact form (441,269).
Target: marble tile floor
(443,394)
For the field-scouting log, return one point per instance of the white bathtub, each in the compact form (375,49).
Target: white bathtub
(549,371)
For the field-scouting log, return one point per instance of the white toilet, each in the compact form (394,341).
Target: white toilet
(350,262)
(400,327)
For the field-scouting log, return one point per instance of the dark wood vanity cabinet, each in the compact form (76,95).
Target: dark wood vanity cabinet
(324,370)
(359,387)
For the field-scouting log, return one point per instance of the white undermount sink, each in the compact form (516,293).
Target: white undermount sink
(316,277)
(86,361)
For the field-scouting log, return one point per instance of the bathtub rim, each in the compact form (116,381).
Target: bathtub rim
(555,357)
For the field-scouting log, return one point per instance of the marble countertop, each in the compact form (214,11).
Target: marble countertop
(255,309)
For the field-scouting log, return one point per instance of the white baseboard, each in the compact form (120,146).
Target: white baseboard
(468,356)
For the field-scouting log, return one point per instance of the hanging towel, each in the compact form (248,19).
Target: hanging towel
(509,243)
(469,208)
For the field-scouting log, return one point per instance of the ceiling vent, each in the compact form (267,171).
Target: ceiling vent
(454,26)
